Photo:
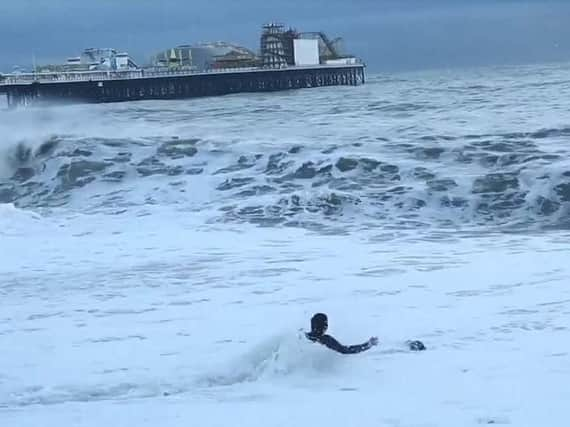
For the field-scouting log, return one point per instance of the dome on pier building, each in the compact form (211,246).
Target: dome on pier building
(205,56)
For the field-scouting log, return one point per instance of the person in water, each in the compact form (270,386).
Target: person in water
(320,324)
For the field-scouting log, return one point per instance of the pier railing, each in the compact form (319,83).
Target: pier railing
(28,78)
(74,76)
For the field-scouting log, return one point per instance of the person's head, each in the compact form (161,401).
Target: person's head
(319,324)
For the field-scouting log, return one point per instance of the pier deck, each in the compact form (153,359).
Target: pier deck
(114,86)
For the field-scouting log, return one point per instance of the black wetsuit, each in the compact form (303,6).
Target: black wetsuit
(333,344)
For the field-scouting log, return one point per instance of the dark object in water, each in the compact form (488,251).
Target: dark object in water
(416,345)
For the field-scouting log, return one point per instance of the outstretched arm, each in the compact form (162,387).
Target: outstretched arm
(333,344)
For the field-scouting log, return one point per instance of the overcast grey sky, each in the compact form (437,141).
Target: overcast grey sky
(387,34)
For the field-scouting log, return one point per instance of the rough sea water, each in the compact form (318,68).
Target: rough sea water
(159,260)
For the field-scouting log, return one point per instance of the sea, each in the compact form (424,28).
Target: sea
(160,260)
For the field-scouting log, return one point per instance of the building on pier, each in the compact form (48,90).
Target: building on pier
(205,56)
(93,59)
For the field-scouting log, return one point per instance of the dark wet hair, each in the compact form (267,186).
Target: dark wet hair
(319,323)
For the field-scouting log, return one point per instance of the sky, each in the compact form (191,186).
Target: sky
(389,35)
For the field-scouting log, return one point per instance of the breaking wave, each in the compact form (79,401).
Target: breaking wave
(505,179)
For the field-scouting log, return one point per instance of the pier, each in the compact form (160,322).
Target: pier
(133,85)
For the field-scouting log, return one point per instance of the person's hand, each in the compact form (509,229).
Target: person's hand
(373,341)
